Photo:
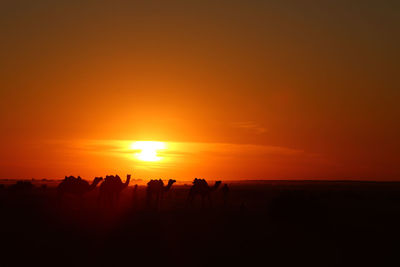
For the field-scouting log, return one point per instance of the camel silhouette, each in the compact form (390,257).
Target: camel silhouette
(75,186)
(21,186)
(135,194)
(110,190)
(201,188)
(156,188)
(225,195)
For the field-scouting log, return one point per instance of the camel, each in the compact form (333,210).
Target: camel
(21,186)
(111,188)
(225,195)
(200,187)
(157,188)
(76,186)
(135,194)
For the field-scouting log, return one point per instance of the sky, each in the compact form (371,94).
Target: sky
(235,89)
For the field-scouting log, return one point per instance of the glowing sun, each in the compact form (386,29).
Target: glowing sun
(148,150)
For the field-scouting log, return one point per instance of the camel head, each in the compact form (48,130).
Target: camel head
(217,184)
(170,183)
(197,181)
(94,183)
(69,178)
(152,183)
(128,179)
(108,178)
(97,180)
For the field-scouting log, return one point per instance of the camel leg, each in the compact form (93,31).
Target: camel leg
(225,201)
(117,196)
(113,200)
(109,200)
(59,198)
(161,200)
(190,200)
(100,200)
(134,196)
(157,201)
(81,202)
(148,199)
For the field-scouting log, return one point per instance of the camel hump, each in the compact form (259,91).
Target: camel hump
(81,182)
(118,179)
(70,178)
(196,181)
(225,188)
(200,182)
(108,179)
(74,181)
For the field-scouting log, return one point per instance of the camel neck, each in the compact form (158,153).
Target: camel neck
(93,185)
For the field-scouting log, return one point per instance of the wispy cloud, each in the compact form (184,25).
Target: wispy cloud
(181,149)
(250,126)
(183,158)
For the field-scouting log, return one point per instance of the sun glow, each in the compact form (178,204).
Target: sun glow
(147,150)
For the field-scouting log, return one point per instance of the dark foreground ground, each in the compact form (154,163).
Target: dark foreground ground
(264,224)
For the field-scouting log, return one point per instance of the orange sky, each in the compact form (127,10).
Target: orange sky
(250,90)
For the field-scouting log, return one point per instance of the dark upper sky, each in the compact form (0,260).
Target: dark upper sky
(322,78)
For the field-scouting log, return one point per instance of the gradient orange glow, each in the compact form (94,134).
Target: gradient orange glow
(256,90)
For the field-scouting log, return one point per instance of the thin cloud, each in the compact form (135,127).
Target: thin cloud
(250,126)
(189,150)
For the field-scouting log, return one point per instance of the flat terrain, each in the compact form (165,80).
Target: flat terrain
(274,223)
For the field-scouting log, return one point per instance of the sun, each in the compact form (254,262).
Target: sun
(148,150)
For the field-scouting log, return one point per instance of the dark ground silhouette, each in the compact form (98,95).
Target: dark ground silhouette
(264,224)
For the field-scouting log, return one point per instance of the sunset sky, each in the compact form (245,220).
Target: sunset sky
(232,89)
